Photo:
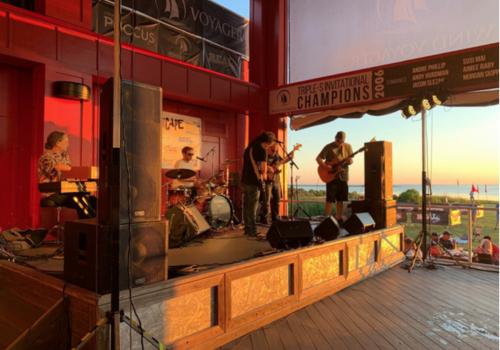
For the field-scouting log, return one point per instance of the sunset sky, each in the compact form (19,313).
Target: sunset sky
(462,143)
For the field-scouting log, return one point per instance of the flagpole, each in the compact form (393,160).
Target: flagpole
(458,191)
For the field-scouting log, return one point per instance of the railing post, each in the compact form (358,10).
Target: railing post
(469,232)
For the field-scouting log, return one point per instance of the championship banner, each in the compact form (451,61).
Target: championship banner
(322,94)
(480,213)
(461,70)
(179,131)
(455,217)
(221,60)
(433,217)
(401,216)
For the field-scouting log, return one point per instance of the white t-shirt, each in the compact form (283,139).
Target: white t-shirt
(182,164)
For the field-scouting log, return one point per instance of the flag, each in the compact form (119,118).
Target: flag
(474,189)
(485,188)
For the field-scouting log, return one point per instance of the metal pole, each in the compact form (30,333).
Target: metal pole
(424,191)
(469,234)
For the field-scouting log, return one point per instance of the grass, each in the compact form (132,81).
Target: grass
(412,229)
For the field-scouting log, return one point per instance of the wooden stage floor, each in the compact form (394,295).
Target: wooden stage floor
(447,308)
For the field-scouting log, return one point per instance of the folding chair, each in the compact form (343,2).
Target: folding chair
(477,233)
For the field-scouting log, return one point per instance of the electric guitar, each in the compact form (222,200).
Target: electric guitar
(273,169)
(337,167)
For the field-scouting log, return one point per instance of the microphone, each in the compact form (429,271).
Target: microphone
(278,141)
(203,160)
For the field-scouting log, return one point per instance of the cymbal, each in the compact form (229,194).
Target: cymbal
(227,162)
(180,173)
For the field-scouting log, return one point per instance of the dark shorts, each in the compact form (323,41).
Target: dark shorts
(337,190)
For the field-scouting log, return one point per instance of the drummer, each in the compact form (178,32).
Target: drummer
(185,163)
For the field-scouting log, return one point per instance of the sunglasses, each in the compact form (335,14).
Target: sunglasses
(190,154)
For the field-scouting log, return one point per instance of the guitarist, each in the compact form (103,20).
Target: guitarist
(252,176)
(337,189)
(273,186)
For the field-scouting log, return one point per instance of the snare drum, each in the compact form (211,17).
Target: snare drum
(182,194)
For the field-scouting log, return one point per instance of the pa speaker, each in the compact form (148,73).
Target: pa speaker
(359,223)
(329,229)
(130,163)
(378,170)
(382,212)
(290,234)
(185,224)
(87,254)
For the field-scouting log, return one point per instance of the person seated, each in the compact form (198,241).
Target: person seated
(410,248)
(54,160)
(434,251)
(447,242)
(494,249)
(484,252)
(435,236)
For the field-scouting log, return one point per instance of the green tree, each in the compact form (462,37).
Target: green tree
(410,196)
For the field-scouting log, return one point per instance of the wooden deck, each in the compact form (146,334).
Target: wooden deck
(447,308)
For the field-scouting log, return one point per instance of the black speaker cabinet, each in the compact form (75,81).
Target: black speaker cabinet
(142,108)
(378,170)
(329,229)
(382,212)
(185,224)
(292,234)
(359,223)
(87,254)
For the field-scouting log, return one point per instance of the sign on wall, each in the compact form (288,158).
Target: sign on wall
(179,131)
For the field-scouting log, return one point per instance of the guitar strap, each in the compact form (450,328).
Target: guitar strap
(255,168)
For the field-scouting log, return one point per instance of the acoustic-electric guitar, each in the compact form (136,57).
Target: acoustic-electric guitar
(337,167)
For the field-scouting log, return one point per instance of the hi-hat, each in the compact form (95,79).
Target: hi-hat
(180,173)
(227,162)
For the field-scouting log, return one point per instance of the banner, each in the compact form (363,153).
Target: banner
(402,216)
(179,131)
(455,217)
(433,217)
(221,60)
(474,68)
(480,213)
(203,18)
(180,46)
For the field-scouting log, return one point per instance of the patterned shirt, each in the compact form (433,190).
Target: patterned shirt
(46,167)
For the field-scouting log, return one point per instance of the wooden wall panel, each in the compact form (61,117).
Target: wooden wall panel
(34,39)
(221,89)
(147,69)
(4,32)
(78,51)
(174,78)
(239,95)
(199,84)
(77,12)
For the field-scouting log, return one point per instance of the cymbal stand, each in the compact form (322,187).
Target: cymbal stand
(292,164)
(167,204)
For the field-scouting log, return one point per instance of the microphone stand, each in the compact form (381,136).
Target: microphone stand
(292,164)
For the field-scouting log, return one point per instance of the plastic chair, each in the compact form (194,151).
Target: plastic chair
(48,203)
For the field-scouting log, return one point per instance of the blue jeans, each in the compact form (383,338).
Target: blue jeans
(273,192)
(251,195)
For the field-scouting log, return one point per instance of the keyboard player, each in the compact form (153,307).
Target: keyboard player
(54,160)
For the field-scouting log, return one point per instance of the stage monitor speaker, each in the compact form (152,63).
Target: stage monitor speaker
(359,223)
(87,254)
(382,212)
(329,229)
(185,224)
(291,234)
(141,109)
(378,170)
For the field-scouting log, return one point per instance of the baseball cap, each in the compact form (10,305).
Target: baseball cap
(340,135)
(434,234)
(447,233)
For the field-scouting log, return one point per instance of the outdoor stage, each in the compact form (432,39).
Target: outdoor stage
(214,306)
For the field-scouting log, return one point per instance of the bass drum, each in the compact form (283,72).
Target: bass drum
(219,212)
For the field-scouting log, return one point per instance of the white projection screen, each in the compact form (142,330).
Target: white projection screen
(329,37)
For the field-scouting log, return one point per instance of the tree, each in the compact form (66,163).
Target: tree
(410,196)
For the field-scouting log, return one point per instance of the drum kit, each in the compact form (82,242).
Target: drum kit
(209,196)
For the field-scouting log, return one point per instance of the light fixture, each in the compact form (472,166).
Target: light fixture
(412,109)
(428,101)
(439,97)
(71,90)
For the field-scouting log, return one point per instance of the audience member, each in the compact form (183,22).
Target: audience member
(410,248)
(496,225)
(447,242)
(473,212)
(434,251)
(434,236)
